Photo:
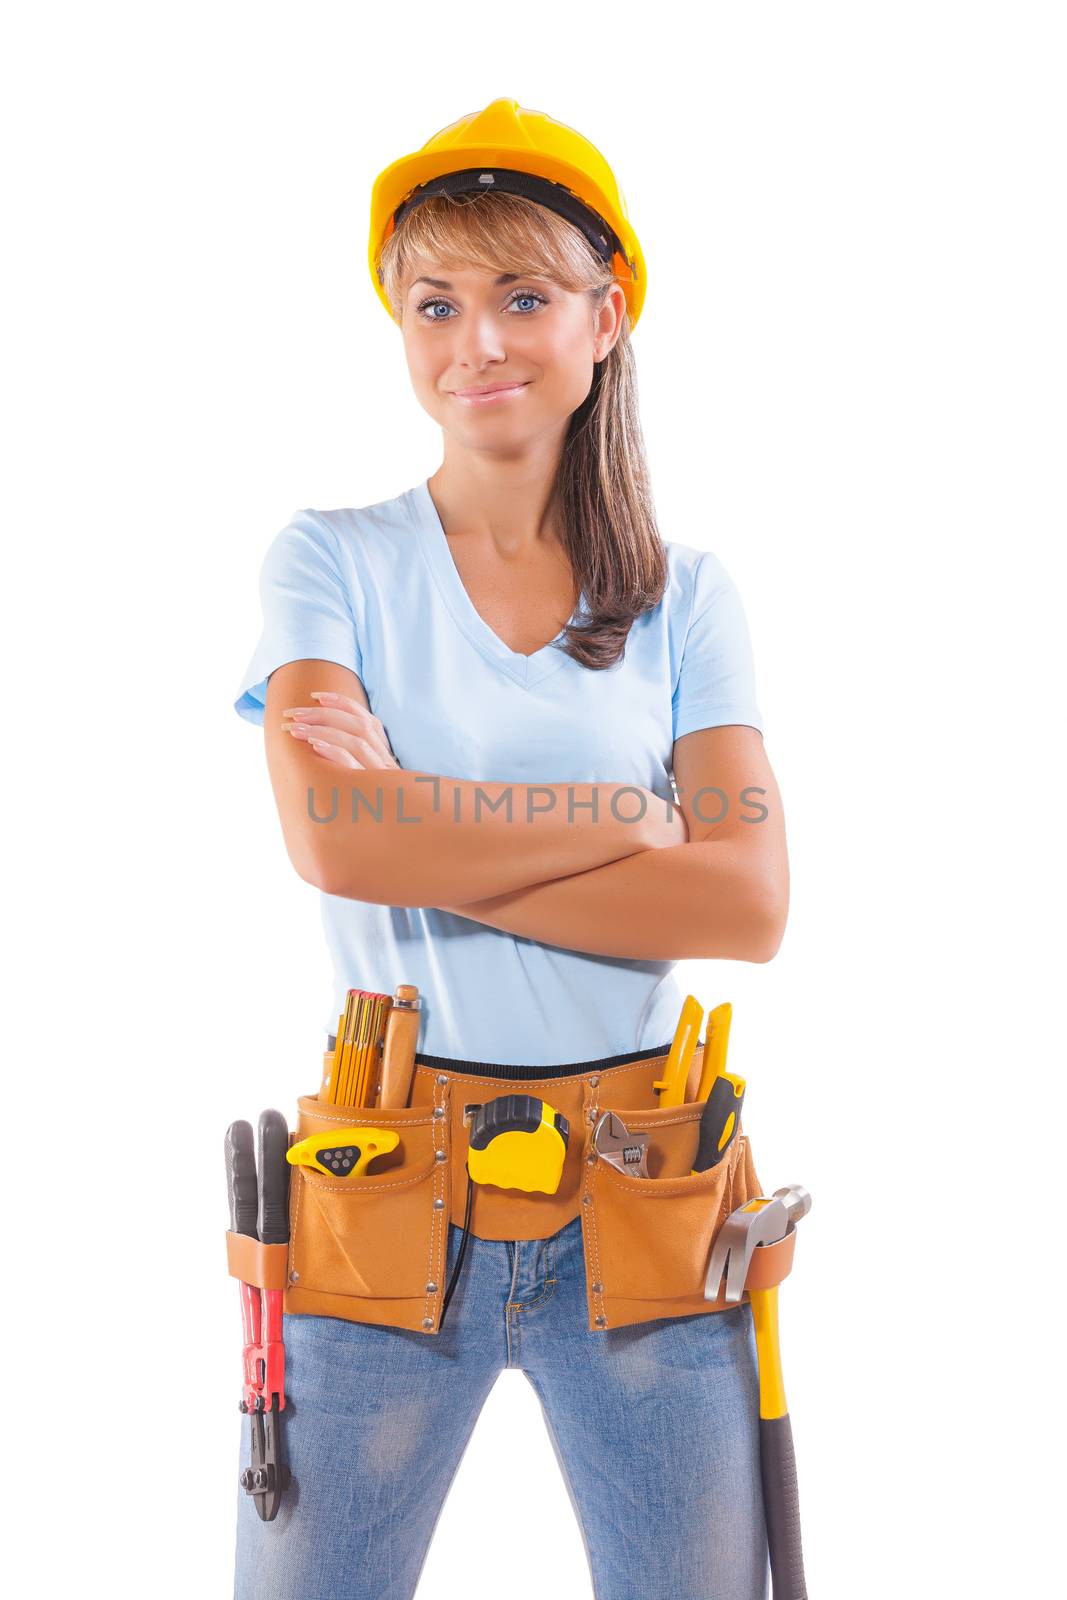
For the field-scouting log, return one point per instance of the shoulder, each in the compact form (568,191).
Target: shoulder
(306,538)
(697,578)
(357,543)
(383,521)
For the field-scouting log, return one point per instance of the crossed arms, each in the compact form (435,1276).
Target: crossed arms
(708,878)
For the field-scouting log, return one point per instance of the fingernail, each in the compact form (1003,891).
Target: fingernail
(324,694)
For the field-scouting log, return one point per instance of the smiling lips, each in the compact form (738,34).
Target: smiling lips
(481,397)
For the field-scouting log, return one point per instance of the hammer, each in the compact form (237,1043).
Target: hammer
(764,1221)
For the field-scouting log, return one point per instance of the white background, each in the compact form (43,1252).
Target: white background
(851,362)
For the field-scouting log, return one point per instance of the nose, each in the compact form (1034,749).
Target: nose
(479,341)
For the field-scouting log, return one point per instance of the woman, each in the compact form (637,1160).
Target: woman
(516,623)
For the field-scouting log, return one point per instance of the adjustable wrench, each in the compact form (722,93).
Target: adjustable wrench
(625,1150)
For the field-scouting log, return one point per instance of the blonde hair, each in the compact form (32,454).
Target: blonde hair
(603,496)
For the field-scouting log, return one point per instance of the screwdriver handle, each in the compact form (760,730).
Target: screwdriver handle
(719,1120)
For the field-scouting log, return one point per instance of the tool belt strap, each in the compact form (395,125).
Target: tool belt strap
(264,1265)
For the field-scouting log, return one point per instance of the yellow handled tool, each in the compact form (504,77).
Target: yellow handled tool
(343,1152)
(683,1048)
(761,1221)
(719,1120)
(716,1038)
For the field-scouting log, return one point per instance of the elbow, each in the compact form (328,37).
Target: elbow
(322,869)
(770,914)
(366,879)
(766,949)
(755,935)
(309,862)
(309,871)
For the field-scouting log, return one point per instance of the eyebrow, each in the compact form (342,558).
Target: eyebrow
(440,283)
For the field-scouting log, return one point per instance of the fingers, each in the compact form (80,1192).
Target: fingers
(335,753)
(345,724)
(364,752)
(330,697)
(350,717)
(312,733)
(354,720)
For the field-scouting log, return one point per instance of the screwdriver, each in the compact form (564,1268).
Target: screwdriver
(719,1120)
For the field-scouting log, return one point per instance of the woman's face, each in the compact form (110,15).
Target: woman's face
(470,329)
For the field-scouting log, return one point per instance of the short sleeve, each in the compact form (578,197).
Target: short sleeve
(716,679)
(307,609)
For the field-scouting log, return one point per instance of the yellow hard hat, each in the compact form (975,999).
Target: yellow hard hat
(506,147)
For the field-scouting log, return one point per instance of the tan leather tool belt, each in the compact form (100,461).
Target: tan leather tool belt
(373,1249)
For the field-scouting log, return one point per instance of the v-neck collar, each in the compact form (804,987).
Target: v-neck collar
(433,543)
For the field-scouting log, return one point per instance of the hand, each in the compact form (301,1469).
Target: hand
(666,827)
(343,731)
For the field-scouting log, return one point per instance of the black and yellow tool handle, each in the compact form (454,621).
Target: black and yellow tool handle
(719,1120)
(781,1502)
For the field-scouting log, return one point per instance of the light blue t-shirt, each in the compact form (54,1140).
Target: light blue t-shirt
(376,589)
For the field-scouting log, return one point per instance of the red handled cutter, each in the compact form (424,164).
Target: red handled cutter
(259,1206)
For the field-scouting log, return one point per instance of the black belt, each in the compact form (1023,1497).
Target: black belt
(513,1073)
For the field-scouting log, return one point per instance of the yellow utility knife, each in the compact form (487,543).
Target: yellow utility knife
(343,1152)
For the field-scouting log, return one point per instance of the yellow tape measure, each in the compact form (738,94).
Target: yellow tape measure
(517,1142)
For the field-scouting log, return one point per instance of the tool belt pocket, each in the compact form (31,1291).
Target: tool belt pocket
(648,1239)
(373,1248)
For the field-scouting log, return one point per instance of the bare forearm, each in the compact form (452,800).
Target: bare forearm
(417,839)
(685,901)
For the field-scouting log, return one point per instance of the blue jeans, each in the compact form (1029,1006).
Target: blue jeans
(655,1427)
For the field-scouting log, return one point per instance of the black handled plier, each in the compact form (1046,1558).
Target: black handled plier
(259,1206)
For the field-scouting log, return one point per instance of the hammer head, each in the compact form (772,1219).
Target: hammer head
(758,1221)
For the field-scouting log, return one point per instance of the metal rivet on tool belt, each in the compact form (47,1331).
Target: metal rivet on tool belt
(591,1158)
(431,1288)
(441,1078)
(586,1198)
(438,1111)
(439,1205)
(442,1155)
(427,1322)
(594,1081)
(601,1322)
(294,1277)
(598,1288)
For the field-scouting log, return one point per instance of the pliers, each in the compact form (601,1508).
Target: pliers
(259,1206)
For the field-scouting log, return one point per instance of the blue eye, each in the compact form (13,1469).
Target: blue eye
(519,294)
